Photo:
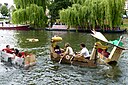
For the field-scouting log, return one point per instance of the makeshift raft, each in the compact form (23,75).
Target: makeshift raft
(26,62)
(96,57)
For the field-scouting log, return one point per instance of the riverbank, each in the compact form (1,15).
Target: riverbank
(125,24)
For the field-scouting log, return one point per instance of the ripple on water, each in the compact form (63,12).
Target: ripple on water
(47,72)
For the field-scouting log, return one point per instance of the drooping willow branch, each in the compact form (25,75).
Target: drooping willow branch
(30,12)
(93,13)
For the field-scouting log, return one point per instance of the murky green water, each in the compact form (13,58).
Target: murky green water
(48,73)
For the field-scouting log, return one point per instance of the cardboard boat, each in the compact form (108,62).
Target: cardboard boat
(28,61)
(95,59)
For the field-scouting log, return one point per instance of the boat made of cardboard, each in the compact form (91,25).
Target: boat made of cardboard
(28,61)
(95,59)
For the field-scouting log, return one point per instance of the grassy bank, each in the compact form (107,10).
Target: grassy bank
(125,24)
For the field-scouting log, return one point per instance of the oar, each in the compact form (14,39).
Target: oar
(61,59)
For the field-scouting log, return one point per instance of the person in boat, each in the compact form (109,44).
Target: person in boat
(57,49)
(8,49)
(68,50)
(104,52)
(68,53)
(19,54)
(84,52)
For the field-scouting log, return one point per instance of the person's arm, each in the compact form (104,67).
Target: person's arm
(66,52)
(87,56)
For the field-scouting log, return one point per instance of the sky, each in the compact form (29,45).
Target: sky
(10,2)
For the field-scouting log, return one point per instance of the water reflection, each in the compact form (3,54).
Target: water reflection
(47,72)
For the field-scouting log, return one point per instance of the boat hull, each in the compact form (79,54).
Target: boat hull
(81,61)
(22,27)
(26,62)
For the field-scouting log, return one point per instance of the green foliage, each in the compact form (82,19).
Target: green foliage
(25,3)
(93,13)
(57,5)
(4,10)
(33,15)
(30,12)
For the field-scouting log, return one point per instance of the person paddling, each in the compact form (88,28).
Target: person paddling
(19,54)
(8,49)
(69,51)
(84,52)
(57,49)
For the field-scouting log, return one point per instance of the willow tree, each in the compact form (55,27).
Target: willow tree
(93,13)
(30,12)
(54,8)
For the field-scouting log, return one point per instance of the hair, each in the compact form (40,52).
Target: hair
(67,44)
(16,51)
(7,46)
(82,44)
(57,47)
(20,54)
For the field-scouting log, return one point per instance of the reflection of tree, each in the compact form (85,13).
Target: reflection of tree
(23,35)
(112,36)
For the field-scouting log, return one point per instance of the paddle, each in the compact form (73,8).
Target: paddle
(61,59)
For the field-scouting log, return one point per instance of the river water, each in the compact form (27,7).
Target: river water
(47,72)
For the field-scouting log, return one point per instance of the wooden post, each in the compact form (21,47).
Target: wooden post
(93,54)
(115,54)
(27,60)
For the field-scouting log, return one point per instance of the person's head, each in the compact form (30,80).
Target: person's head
(20,54)
(57,47)
(67,44)
(82,45)
(7,46)
(105,50)
(16,51)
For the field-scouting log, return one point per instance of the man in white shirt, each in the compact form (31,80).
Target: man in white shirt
(84,52)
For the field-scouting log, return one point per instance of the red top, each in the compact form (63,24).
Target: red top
(99,50)
(8,50)
(105,53)
(21,54)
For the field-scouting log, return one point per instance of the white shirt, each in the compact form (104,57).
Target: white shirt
(69,51)
(84,52)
